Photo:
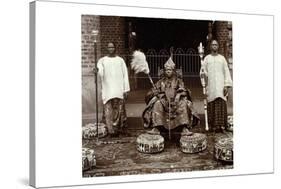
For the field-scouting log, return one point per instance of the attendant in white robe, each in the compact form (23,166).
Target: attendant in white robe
(115,87)
(216,71)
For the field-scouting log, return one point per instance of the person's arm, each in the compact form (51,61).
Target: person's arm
(100,68)
(157,88)
(125,77)
(227,78)
(181,87)
(181,91)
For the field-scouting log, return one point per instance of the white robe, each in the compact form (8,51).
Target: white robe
(217,72)
(114,77)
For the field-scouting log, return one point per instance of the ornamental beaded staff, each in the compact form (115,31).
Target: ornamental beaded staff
(203,83)
(95,34)
(169,100)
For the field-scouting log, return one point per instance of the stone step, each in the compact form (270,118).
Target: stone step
(136,123)
(136,110)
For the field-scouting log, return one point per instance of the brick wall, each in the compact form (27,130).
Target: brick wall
(113,30)
(88,24)
(222,35)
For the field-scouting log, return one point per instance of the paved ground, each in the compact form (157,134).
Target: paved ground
(119,156)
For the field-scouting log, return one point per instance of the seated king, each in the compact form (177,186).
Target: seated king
(169,104)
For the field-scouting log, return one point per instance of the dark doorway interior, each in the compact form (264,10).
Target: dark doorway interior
(155,33)
(160,34)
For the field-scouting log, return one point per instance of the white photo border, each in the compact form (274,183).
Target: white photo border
(58,91)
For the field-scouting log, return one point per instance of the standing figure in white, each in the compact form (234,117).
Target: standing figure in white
(113,73)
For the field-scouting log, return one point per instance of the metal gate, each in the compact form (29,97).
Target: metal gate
(188,61)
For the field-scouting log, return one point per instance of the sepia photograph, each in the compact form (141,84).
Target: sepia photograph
(157,95)
(135,93)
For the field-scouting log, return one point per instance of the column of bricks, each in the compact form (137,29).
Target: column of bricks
(221,34)
(224,37)
(88,24)
(113,30)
